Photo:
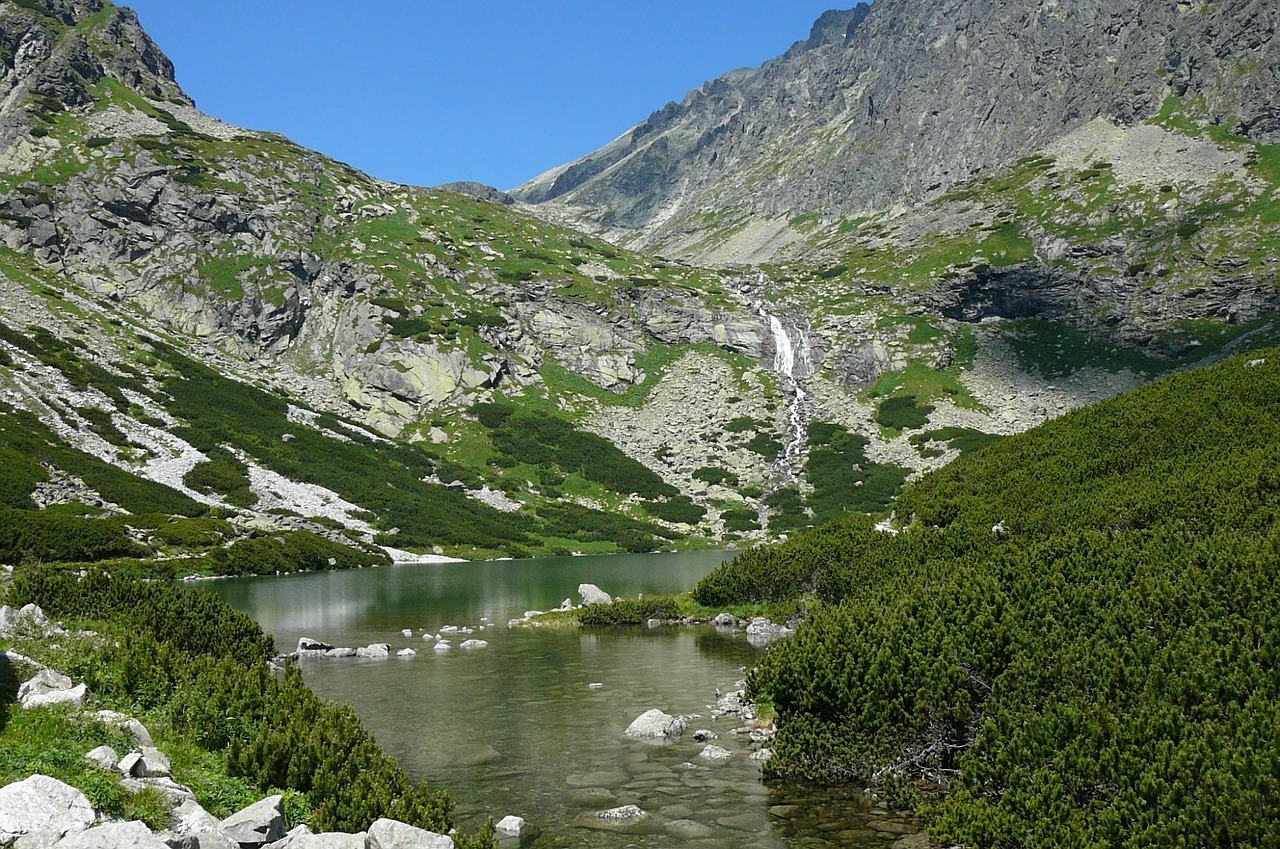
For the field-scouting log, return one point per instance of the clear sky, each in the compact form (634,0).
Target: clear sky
(429,91)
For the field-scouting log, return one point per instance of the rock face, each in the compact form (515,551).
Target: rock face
(114,835)
(42,805)
(899,101)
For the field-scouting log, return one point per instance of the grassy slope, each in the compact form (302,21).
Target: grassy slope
(1100,671)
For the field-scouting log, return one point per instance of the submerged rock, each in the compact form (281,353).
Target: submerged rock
(625,813)
(512,826)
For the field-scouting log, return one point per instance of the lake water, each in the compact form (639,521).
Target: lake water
(514,728)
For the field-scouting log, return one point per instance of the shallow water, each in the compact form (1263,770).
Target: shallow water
(514,728)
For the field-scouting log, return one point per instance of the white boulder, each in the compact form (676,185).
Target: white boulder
(473,644)
(374,650)
(511,826)
(715,753)
(406,653)
(391,834)
(591,594)
(42,805)
(104,756)
(47,687)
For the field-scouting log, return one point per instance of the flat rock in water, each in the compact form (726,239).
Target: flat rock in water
(114,835)
(390,834)
(42,804)
(406,653)
(653,724)
(715,753)
(260,823)
(625,813)
(473,644)
(591,594)
(340,652)
(688,830)
(443,645)
(374,650)
(306,644)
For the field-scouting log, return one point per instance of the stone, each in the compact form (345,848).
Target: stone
(702,735)
(340,652)
(324,840)
(715,753)
(8,618)
(104,756)
(687,829)
(653,724)
(761,755)
(407,632)
(442,646)
(591,594)
(190,817)
(207,840)
(258,824)
(511,826)
(148,762)
(374,650)
(306,644)
(625,813)
(42,805)
(48,687)
(391,834)
(473,644)
(138,733)
(113,835)
(724,620)
(406,653)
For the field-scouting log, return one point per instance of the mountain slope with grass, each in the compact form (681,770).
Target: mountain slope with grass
(1071,641)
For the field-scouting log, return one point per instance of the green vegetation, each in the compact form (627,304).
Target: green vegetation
(844,480)
(631,611)
(223,473)
(1076,637)
(902,412)
(197,671)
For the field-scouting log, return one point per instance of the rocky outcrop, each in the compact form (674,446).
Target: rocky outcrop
(256,825)
(591,594)
(915,98)
(42,806)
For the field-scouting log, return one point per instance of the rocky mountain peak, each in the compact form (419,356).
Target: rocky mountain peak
(54,53)
(835,26)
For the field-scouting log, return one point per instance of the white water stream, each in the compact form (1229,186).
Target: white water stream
(790,364)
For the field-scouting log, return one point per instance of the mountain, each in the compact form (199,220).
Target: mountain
(903,101)
(211,323)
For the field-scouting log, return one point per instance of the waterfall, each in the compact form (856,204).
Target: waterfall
(785,363)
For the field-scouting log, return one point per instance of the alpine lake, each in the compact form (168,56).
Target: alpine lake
(532,724)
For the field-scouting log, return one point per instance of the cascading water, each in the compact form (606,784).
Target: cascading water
(790,369)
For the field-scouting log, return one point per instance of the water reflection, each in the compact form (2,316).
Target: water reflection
(516,728)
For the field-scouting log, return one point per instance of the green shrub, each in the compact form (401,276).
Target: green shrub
(714,475)
(679,510)
(903,413)
(630,611)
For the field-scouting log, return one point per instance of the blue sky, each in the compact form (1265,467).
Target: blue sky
(428,91)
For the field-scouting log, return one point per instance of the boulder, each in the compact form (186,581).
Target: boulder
(175,793)
(406,653)
(302,838)
(306,644)
(8,618)
(473,644)
(406,633)
(511,826)
(653,724)
(104,756)
(149,762)
(50,688)
(390,834)
(725,620)
(113,835)
(190,818)
(591,594)
(374,650)
(344,652)
(205,840)
(761,755)
(43,805)
(702,735)
(442,646)
(259,824)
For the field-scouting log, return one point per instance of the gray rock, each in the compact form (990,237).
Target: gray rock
(104,756)
(113,835)
(149,762)
(653,724)
(308,644)
(174,792)
(391,834)
(8,618)
(473,644)
(702,735)
(725,620)
(304,839)
(374,650)
(190,818)
(687,829)
(208,840)
(341,652)
(44,805)
(258,824)
(48,687)
(591,594)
